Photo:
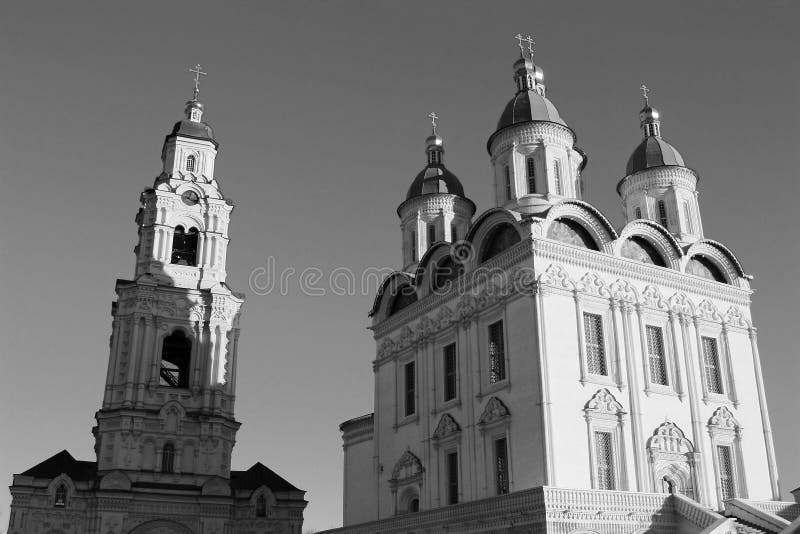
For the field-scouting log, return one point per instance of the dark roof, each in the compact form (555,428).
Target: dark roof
(527,106)
(260,475)
(653,152)
(63,462)
(195,130)
(435,178)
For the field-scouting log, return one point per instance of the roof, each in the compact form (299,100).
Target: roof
(435,178)
(527,106)
(63,462)
(653,152)
(195,130)
(260,475)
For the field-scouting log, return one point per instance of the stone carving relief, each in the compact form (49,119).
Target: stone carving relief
(447,427)
(652,298)
(556,276)
(594,285)
(495,411)
(723,419)
(707,310)
(407,468)
(603,402)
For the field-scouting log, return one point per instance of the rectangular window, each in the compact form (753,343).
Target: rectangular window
(410,390)
(453,233)
(638,213)
(431,234)
(531,176)
(450,371)
(711,365)
(603,444)
(726,479)
(452,478)
(595,344)
(557,177)
(413,246)
(687,214)
(508,183)
(662,213)
(497,358)
(656,356)
(501,465)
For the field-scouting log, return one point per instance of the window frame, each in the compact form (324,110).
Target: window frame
(507,175)
(530,168)
(718,332)
(447,377)
(168,468)
(409,390)
(727,435)
(558,180)
(452,478)
(661,208)
(590,304)
(190,163)
(490,370)
(687,214)
(60,496)
(496,463)
(612,422)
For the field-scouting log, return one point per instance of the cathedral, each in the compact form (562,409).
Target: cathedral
(539,370)
(166,428)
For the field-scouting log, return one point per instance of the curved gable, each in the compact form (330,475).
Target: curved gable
(654,234)
(720,255)
(380,306)
(588,217)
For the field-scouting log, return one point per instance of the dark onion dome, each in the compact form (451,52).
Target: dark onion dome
(192,126)
(653,151)
(435,178)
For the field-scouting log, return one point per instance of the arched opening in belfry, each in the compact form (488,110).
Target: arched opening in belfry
(184,246)
(175,357)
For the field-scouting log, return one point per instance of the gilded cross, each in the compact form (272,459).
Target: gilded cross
(198,71)
(433,117)
(530,42)
(520,38)
(645,90)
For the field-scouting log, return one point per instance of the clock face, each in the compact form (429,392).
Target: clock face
(190,198)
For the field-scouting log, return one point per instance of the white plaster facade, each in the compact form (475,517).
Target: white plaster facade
(625,367)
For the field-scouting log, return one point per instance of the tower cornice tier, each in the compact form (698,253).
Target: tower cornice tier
(664,176)
(532,132)
(434,202)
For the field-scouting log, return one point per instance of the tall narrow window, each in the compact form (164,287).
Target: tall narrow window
(168,458)
(638,213)
(176,351)
(261,506)
(557,177)
(497,358)
(595,344)
(410,389)
(190,162)
(604,444)
(656,356)
(727,483)
(450,371)
(453,233)
(61,496)
(687,214)
(662,213)
(508,183)
(711,365)
(413,246)
(501,465)
(531,175)
(184,246)
(431,234)
(452,478)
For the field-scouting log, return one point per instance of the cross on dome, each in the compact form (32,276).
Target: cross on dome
(520,38)
(433,117)
(530,42)
(645,90)
(198,71)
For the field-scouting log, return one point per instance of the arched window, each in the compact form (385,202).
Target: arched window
(638,213)
(175,357)
(446,270)
(557,177)
(700,265)
(403,297)
(501,237)
(639,249)
(571,232)
(261,506)
(508,182)
(184,246)
(190,163)
(531,167)
(168,459)
(662,213)
(61,496)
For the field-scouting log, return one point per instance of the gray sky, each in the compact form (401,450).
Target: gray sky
(320,109)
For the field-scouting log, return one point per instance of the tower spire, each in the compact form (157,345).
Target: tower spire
(434,145)
(194,108)
(527,74)
(648,117)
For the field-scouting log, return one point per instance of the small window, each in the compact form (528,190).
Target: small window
(261,506)
(413,246)
(190,163)
(711,365)
(452,478)
(604,449)
(595,344)
(727,483)
(176,352)
(687,214)
(655,353)
(410,390)
(501,465)
(531,175)
(184,246)
(508,183)
(453,233)
(168,458)
(450,371)
(662,213)
(557,177)
(638,213)
(497,359)
(61,496)
(431,234)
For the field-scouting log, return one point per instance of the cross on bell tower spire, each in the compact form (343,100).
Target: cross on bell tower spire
(198,71)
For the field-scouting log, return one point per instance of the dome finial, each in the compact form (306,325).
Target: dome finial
(648,117)
(194,108)
(433,117)
(198,71)
(645,90)
(434,145)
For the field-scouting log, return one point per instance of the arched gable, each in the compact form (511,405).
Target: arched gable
(386,292)
(588,217)
(481,232)
(663,242)
(719,255)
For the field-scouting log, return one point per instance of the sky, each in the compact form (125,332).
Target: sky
(321,111)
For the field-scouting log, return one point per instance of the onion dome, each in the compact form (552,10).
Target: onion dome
(193,125)
(435,178)
(653,151)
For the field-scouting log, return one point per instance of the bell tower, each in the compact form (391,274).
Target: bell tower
(168,409)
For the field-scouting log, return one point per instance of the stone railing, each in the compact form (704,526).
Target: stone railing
(750,512)
(785,509)
(694,512)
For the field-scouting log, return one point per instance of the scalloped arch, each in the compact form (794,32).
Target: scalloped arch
(719,254)
(657,236)
(589,217)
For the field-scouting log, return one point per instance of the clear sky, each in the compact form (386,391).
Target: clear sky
(320,109)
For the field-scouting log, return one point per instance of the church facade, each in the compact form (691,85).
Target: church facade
(539,370)
(166,429)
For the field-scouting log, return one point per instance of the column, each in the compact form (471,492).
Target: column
(765,423)
(544,387)
(694,410)
(637,438)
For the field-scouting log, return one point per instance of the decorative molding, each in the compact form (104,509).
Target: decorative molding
(447,427)
(723,419)
(495,411)
(407,469)
(603,402)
